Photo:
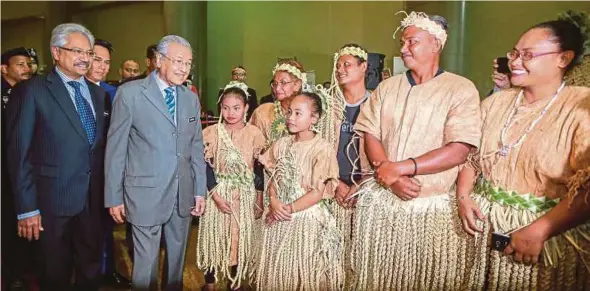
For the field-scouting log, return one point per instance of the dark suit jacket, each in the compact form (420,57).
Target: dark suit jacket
(51,165)
(111,90)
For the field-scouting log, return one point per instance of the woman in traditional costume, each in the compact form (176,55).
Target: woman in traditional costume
(418,129)
(534,166)
(301,243)
(288,80)
(225,243)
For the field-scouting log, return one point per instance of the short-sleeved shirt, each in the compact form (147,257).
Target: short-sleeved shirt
(411,120)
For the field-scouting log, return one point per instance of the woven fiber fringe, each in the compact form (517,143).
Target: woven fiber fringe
(344,218)
(215,234)
(565,261)
(413,245)
(301,254)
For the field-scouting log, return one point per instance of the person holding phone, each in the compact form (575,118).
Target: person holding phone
(534,167)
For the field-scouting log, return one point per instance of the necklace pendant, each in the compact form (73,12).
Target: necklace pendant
(504,150)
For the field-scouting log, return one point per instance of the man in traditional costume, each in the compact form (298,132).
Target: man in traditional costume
(418,129)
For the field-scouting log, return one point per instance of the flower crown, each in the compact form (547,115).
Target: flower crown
(239,70)
(292,70)
(422,21)
(353,51)
(235,84)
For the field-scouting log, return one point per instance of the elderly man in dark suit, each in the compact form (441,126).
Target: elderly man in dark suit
(155,165)
(56,140)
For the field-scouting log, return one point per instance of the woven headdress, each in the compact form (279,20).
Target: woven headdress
(423,21)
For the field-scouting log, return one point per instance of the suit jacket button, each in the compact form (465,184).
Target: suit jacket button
(89,172)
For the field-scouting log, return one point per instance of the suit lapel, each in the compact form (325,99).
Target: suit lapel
(152,92)
(62,96)
(98,100)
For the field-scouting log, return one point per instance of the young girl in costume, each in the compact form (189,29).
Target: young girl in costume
(288,80)
(225,236)
(301,243)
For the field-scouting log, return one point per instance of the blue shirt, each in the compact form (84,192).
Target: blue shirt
(343,156)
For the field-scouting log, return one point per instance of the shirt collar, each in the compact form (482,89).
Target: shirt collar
(161,84)
(413,82)
(97,83)
(67,79)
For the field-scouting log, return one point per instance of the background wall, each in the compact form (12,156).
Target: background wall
(255,34)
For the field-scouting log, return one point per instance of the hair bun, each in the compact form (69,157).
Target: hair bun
(582,21)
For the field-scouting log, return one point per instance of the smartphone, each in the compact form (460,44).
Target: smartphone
(503,65)
(500,241)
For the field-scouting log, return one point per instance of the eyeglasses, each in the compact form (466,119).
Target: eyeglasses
(180,63)
(526,55)
(79,52)
(275,85)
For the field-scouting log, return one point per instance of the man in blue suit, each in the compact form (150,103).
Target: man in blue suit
(97,73)
(56,143)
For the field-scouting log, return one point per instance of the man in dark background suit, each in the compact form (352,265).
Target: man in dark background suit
(56,143)
(17,254)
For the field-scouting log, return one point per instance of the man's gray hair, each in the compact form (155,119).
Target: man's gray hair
(59,35)
(167,40)
(440,21)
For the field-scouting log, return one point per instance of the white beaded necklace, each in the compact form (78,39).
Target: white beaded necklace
(504,150)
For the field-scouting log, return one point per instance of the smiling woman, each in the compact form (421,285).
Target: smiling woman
(541,198)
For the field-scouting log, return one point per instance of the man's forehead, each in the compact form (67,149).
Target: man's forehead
(131,64)
(19,59)
(413,32)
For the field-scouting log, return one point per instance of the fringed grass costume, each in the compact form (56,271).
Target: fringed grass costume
(525,175)
(303,253)
(417,244)
(226,240)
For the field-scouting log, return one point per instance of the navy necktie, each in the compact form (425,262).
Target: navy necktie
(84,111)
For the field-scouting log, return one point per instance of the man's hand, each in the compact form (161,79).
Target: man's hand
(406,188)
(199,206)
(386,173)
(29,228)
(118,213)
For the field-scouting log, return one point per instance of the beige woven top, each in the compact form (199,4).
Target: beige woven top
(248,140)
(411,121)
(315,159)
(557,148)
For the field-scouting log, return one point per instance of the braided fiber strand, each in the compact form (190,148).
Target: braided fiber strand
(235,184)
(344,218)
(412,245)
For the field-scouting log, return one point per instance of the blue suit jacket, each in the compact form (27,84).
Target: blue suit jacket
(112,90)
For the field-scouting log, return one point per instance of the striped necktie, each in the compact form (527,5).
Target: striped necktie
(170,101)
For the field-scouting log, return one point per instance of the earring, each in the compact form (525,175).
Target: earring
(245,117)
